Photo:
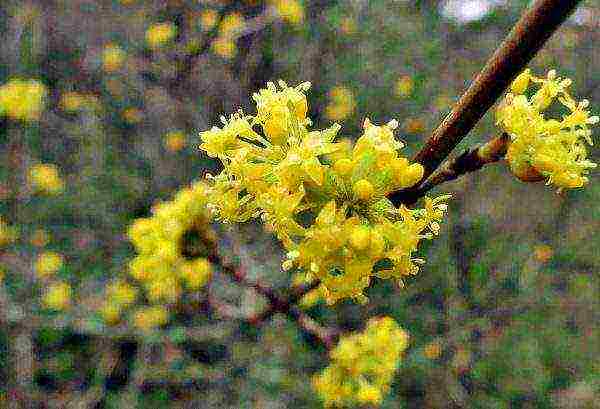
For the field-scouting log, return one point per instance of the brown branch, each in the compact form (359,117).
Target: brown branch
(530,33)
(277,304)
(186,65)
(470,160)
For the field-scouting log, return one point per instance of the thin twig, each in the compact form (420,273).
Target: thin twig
(278,304)
(526,38)
(186,65)
(470,160)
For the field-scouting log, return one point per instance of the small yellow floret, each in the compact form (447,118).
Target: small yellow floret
(404,87)
(45,178)
(363,190)
(57,296)
(148,318)
(174,141)
(113,57)
(289,10)
(159,34)
(48,263)
(22,99)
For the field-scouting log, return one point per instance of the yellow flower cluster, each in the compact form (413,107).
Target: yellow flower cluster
(362,365)
(231,25)
(290,11)
(170,255)
(174,141)
(22,99)
(325,201)
(45,178)
(159,34)
(48,263)
(74,102)
(546,148)
(57,296)
(113,57)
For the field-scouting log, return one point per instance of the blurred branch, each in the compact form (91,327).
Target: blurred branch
(530,33)
(186,65)
(277,304)
(470,160)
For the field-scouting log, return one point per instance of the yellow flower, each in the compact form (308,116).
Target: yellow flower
(40,238)
(224,47)
(121,293)
(232,24)
(289,10)
(208,19)
(48,263)
(362,365)
(276,168)
(341,105)
(404,87)
(348,26)
(22,99)
(148,318)
(159,34)
(57,296)
(432,350)
(45,178)
(174,141)
(133,115)
(73,101)
(113,58)
(542,147)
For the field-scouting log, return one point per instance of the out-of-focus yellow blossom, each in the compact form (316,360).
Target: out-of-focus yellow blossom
(57,296)
(224,47)
(8,234)
(276,168)
(160,34)
(73,102)
(113,57)
(40,238)
(231,25)
(208,19)
(341,103)
(48,263)
(362,365)
(414,125)
(133,115)
(174,141)
(543,253)
(404,87)
(45,178)
(290,11)
(170,249)
(433,350)
(149,318)
(118,295)
(22,99)
(348,26)
(541,147)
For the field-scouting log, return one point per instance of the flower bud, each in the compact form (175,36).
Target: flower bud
(519,85)
(343,167)
(413,174)
(363,190)
(360,237)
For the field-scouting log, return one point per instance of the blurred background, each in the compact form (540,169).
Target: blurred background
(504,315)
